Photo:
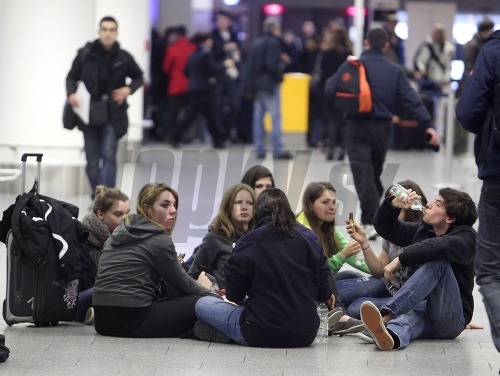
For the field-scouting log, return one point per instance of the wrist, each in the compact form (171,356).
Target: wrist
(365,247)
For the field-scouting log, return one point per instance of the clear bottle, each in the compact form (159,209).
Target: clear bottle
(401,194)
(322,335)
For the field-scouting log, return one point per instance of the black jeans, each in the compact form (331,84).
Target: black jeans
(162,319)
(367,143)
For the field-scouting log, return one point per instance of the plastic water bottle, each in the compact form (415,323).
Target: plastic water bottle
(401,194)
(323,323)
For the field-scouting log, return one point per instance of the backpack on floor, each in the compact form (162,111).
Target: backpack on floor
(352,93)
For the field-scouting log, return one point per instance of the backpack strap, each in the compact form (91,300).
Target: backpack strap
(434,57)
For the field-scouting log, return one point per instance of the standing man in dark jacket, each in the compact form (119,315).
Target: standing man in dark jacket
(103,67)
(481,97)
(368,135)
(263,75)
(436,301)
(202,69)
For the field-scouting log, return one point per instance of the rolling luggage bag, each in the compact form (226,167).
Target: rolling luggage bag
(37,291)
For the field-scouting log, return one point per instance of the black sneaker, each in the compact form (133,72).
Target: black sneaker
(371,317)
(350,326)
(206,332)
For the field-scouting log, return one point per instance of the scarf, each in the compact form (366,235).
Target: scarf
(98,234)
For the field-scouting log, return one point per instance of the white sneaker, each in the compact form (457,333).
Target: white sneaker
(370,232)
(89,317)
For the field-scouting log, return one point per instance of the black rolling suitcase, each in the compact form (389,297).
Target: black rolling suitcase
(37,290)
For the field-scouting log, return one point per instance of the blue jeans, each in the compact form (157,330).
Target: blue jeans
(221,315)
(354,291)
(101,145)
(84,303)
(270,102)
(427,306)
(488,255)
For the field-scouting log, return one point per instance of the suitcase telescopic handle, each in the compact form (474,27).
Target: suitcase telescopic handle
(25,156)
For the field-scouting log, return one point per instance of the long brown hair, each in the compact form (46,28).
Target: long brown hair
(325,231)
(222,223)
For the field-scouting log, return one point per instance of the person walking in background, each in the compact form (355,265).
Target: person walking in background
(471,48)
(477,110)
(336,48)
(368,134)
(432,63)
(103,67)
(202,70)
(263,76)
(227,46)
(174,63)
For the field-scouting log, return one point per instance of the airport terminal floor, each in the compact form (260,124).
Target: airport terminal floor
(200,176)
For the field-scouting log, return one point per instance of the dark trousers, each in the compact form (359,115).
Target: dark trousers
(200,103)
(175,104)
(163,319)
(367,143)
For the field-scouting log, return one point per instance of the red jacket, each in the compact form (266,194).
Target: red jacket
(174,62)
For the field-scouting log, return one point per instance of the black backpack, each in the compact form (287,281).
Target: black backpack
(352,93)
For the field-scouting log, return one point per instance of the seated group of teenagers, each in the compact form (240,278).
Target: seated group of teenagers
(261,270)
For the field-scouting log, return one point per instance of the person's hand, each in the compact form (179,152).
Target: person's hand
(330,302)
(181,256)
(433,140)
(73,102)
(204,281)
(392,268)
(119,95)
(357,233)
(228,63)
(472,325)
(285,58)
(352,248)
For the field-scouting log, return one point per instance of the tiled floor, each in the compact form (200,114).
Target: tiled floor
(75,349)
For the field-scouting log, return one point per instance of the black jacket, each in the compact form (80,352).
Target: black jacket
(202,70)
(211,256)
(390,89)
(283,278)
(102,76)
(420,245)
(263,67)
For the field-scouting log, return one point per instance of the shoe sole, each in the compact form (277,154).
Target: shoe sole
(352,329)
(372,319)
(205,332)
(334,317)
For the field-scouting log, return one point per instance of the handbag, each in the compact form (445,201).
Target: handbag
(99,113)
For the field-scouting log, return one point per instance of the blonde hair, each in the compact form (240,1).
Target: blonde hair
(105,198)
(148,195)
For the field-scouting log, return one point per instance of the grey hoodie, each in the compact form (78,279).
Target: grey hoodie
(133,261)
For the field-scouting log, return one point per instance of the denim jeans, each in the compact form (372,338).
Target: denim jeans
(427,306)
(354,288)
(101,145)
(84,303)
(355,291)
(221,315)
(488,255)
(270,102)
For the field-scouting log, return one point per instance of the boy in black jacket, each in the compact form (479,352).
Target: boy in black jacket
(436,302)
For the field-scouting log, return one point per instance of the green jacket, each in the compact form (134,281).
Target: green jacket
(337,260)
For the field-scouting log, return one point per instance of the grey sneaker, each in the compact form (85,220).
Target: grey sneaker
(371,317)
(350,326)
(334,316)
(206,332)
